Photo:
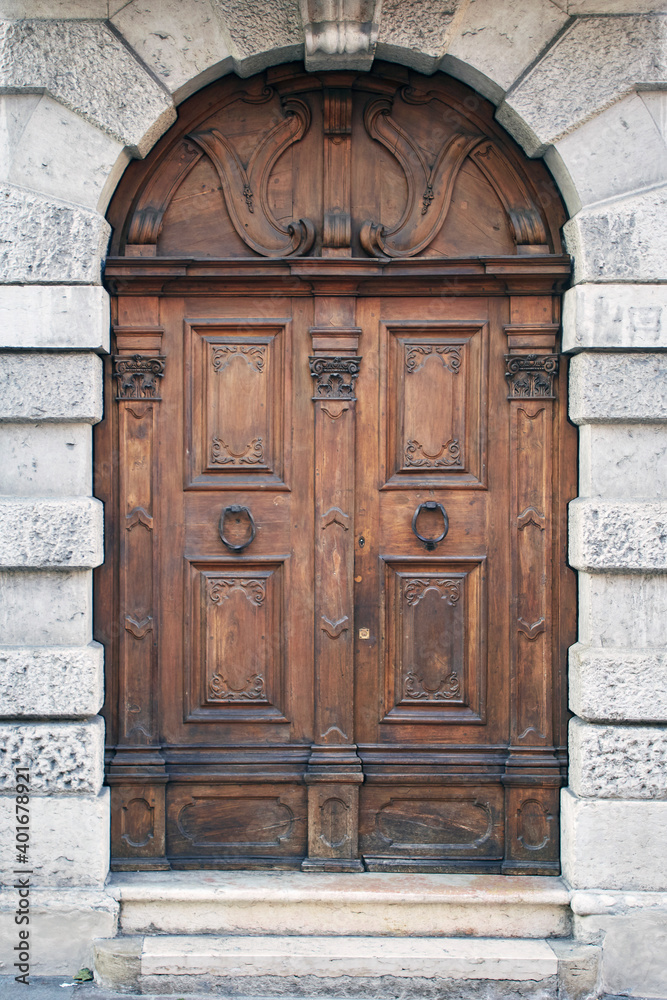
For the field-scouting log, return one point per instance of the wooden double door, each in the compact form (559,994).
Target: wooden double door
(335,464)
(354,594)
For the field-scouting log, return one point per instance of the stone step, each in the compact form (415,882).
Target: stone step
(328,966)
(369,904)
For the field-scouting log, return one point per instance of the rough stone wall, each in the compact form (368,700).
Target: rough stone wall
(87,84)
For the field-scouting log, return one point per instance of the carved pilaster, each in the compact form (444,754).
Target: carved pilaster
(337,228)
(531,827)
(137,773)
(334,769)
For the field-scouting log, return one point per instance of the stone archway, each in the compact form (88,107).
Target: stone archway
(604,144)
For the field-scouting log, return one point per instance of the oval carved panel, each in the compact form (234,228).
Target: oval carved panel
(230,822)
(441,824)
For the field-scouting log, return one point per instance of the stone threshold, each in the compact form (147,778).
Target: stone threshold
(291,967)
(368,904)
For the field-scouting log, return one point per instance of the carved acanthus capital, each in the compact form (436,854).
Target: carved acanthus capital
(531,376)
(137,376)
(334,376)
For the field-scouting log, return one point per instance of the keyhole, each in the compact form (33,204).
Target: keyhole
(362,542)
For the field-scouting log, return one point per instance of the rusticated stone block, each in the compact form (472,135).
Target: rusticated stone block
(184,44)
(39,137)
(618,762)
(65,922)
(612,844)
(627,610)
(53,387)
(103,81)
(623,461)
(618,685)
(262,33)
(41,607)
(44,681)
(45,460)
(618,151)
(69,839)
(408,34)
(51,533)
(498,39)
(43,240)
(54,316)
(633,954)
(582,73)
(61,756)
(618,535)
(40,533)
(618,387)
(615,316)
(620,239)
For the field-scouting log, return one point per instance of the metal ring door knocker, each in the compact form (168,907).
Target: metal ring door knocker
(236,509)
(431,543)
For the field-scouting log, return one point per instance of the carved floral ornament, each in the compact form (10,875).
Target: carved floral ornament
(137,376)
(334,376)
(429,175)
(531,376)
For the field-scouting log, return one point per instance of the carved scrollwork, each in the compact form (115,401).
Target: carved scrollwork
(146,222)
(334,376)
(221,588)
(137,376)
(447,688)
(416,355)
(219,689)
(162,185)
(525,219)
(245,186)
(416,589)
(429,186)
(254,356)
(222,454)
(531,376)
(449,455)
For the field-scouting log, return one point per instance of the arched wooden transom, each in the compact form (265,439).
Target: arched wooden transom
(391,164)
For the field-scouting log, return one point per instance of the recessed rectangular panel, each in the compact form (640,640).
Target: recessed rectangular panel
(435,668)
(236,405)
(431,822)
(436,420)
(226,821)
(234,653)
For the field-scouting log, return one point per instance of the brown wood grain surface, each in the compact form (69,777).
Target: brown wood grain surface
(336,320)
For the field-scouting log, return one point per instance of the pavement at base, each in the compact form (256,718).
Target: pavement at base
(61,988)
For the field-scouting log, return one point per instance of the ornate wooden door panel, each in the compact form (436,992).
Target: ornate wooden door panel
(449,669)
(236,618)
(335,461)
